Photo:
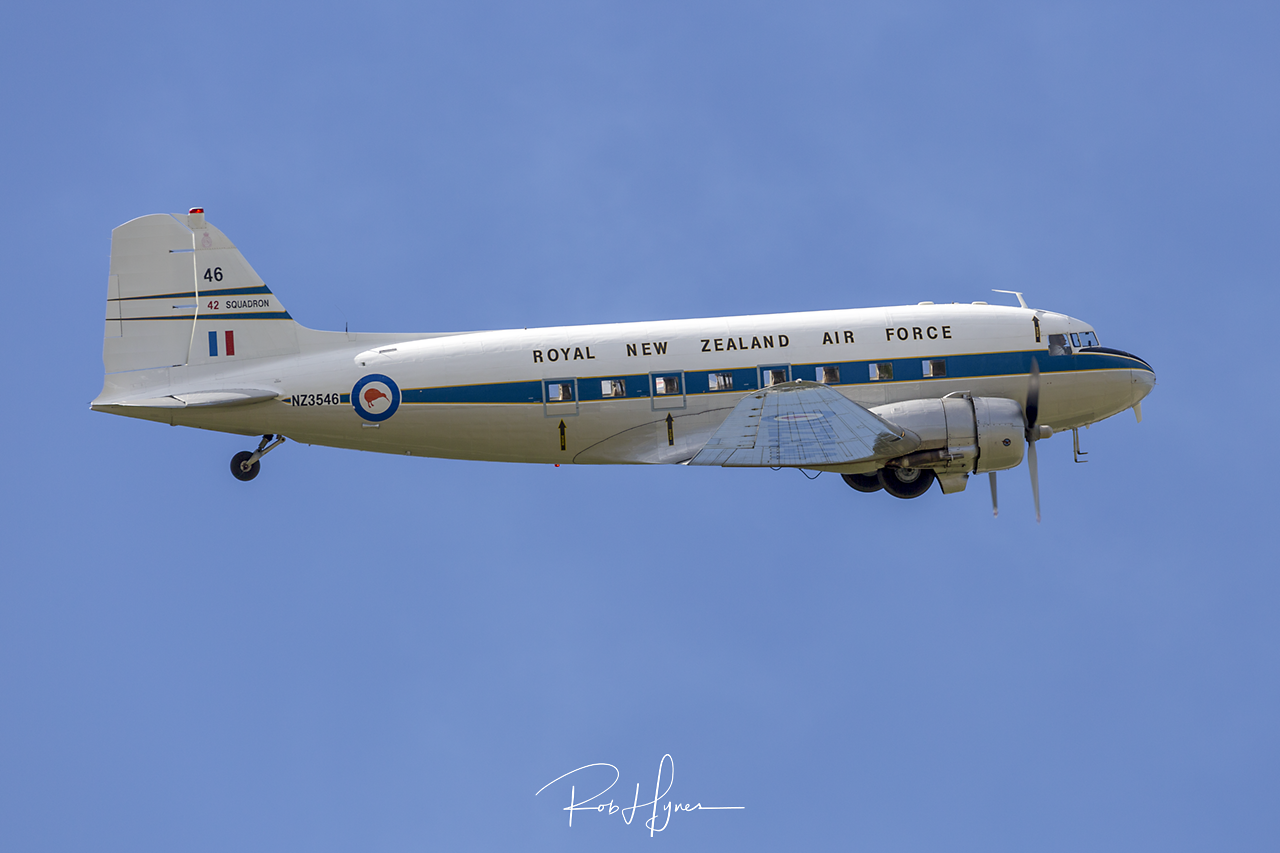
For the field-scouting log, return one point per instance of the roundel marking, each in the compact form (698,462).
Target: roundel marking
(375,397)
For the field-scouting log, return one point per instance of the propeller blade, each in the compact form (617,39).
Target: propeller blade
(995,506)
(1033,395)
(1035,476)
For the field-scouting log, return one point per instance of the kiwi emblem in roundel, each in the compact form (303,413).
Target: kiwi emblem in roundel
(375,397)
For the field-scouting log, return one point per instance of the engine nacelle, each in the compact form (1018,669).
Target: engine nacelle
(961,434)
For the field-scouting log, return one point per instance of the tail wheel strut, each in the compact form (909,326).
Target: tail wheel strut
(245,465)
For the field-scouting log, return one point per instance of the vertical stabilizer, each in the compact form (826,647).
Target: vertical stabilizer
(180,293)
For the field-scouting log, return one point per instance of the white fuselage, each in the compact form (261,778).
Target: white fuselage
(595,394)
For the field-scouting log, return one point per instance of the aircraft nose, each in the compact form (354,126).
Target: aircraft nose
(1142,375)
(1143,381)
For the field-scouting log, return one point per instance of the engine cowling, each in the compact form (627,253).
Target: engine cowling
(960,434)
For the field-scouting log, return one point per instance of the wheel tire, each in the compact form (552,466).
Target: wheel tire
(906,482)
(863,482)
(240,474)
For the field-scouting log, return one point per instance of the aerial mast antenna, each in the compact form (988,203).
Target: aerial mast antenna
(1017,293)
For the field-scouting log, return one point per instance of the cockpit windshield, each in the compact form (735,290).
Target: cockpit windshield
(1067,344)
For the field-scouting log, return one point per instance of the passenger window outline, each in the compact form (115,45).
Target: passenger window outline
(674,393)
(564,400)
(934,368)
(829,374)
(612,389)
(773,374)
(720,381)
(881,371)
(560,391)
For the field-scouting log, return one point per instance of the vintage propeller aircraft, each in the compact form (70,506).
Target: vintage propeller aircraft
(890,398)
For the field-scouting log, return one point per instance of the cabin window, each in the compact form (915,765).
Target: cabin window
(666,385)
(829,375)
(720,381)
(934,367)
(613,388)
(775,376)
(1058,345)
(559,392)
(1088,339)
(881,370)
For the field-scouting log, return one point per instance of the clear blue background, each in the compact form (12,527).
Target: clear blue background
(358,652)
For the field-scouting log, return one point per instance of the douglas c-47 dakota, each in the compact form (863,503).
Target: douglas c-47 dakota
(889,398)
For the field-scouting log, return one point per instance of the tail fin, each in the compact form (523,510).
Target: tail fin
(180,293)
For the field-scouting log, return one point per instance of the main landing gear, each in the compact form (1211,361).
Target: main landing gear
(899,482)
(863,482)
(245,465)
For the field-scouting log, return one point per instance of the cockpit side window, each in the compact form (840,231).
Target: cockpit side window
(1088,339)
(1058,345)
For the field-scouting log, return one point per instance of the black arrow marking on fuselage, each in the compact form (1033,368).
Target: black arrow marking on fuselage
(671,433)
(562,435)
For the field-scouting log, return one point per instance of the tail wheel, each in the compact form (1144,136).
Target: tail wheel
(863,482)
(237,466)
(906,482)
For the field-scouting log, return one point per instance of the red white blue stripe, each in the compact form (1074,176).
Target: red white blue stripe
(229,337)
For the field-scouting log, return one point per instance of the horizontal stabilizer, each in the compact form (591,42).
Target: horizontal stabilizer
(804,425)
(201,399)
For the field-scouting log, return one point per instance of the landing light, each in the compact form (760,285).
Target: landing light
(196,210)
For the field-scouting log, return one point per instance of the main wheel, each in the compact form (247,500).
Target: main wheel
(863,482)
(906,482)
(238,472)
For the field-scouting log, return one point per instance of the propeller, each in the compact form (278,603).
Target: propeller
(1033,434)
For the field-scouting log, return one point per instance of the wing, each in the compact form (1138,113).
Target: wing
(802,424)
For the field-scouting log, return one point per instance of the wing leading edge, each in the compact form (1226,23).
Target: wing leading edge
(803,425)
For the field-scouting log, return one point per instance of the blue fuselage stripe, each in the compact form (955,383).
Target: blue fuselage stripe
(593,388)
(501,392)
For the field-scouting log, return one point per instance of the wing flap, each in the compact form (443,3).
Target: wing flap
(802,424)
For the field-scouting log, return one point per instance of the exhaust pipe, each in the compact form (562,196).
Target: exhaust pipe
(929,458)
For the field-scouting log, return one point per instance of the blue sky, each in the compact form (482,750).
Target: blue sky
(365,652)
